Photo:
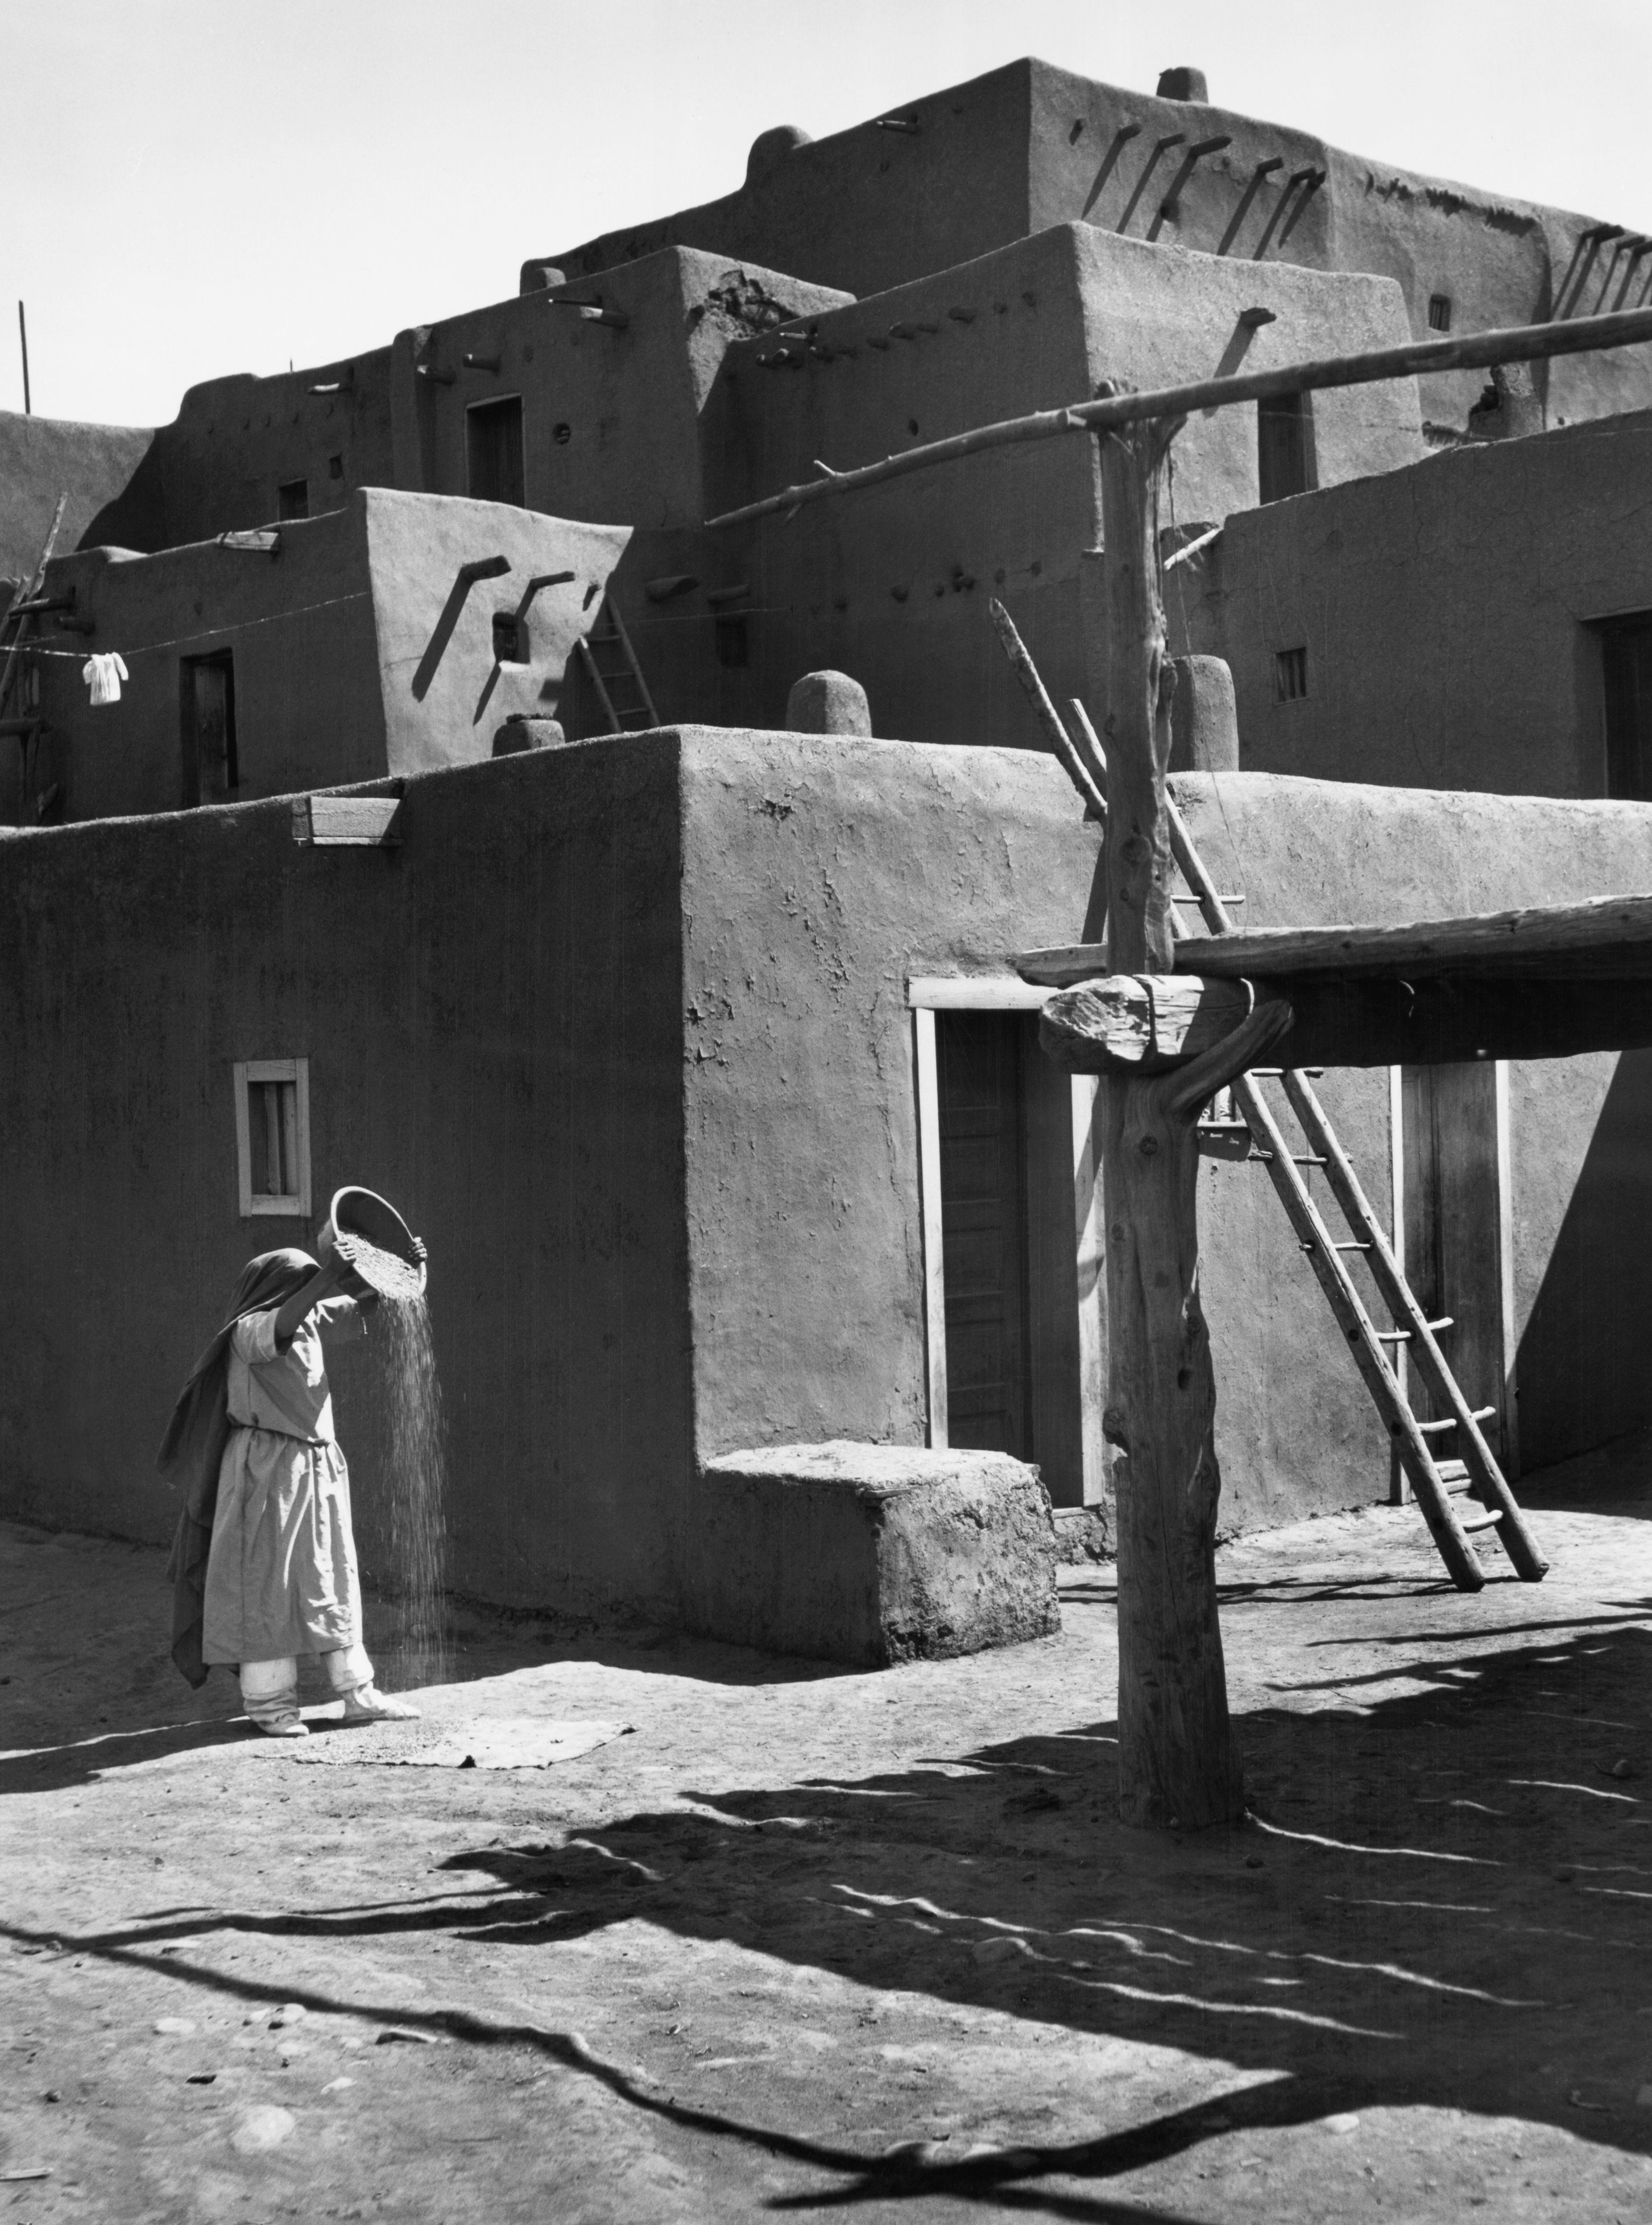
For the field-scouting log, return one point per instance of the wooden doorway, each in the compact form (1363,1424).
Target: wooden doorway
(212,772)
(1452,1218)
(493,457)
(1626,656)
(1018,1322)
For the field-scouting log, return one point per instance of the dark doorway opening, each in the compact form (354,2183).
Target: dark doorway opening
(1626,654)
(212,771)
(494,451)
(1009,1244)
(983,1156)
(1452,1179)
(1285,457)
(292,500)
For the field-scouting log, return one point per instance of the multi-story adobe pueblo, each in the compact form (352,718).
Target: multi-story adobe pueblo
(678,994)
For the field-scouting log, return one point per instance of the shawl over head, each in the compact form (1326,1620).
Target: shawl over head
(192,1451)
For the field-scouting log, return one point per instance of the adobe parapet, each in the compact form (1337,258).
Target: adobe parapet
(970,168)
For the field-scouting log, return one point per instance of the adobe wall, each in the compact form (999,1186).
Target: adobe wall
(623,1028)
(1444,610)
(300,627)
(1314,853)
(892,583)
(41,458)
(217,466)
(818,875)
(1029,145)
(448,711)
(493,1022)
(611,414)
(336,679)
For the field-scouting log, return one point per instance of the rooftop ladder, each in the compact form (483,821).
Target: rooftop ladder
(1474,1474)
(611,666)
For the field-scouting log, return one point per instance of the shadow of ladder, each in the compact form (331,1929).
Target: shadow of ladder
(1475,1474)
(611,666)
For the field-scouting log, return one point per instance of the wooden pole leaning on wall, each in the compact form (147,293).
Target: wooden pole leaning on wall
(1179,1761)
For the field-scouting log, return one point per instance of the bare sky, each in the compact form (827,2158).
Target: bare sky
(198,187)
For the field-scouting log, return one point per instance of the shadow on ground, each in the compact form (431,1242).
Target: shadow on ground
(1442,1900)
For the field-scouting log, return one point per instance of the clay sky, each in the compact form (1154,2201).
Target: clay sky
(199,187)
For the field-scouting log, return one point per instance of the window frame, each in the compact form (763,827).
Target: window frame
(291,1206)
(1290,666)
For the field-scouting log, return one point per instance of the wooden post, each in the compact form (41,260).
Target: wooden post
(1179,1761)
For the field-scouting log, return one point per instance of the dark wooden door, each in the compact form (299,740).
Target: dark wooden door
(1627,649)
(1453,1231)
(983,1221)
(494,446)
(211,770)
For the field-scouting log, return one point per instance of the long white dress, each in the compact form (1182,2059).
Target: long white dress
(280,1575)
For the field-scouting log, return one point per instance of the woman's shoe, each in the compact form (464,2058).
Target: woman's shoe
(283,1726)
(367,1704)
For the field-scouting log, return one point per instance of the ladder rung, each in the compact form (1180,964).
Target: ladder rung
(1359,1245)
(1486,1522)
(1403,1336)
(1274,1073)
(1481,1414)
(1300,1159)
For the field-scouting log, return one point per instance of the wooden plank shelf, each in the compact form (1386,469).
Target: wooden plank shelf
(361,822)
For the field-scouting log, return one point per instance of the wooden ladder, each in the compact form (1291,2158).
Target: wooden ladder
(20,620)
(620,688)
(1474,1474)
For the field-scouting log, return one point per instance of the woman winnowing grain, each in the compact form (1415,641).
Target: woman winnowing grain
(264,1563)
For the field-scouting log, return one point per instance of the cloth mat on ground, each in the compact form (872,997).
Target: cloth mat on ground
(481,1743)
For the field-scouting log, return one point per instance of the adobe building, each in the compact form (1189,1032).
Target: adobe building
(1481,621)
(390,636)
(951,176)
(694,386)
(695,1058)
(691,1045)
(892,583)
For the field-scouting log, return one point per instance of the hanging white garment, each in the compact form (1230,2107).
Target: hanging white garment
(102,675)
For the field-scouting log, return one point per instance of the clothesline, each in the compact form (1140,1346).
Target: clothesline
(207,633)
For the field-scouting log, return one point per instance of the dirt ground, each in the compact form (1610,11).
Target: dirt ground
(802,1940)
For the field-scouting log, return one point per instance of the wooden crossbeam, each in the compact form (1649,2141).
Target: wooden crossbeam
(1608,936)
(1470,352)
(1144,1023)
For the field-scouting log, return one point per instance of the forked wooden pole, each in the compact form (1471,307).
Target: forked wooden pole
(1179,1761)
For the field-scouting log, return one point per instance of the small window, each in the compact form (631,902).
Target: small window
(1439,313)
(1290,674)
(292,499)
(272,1136)
(335,467)
(731,642)
(1285,457)
(510,639)
(494,451)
